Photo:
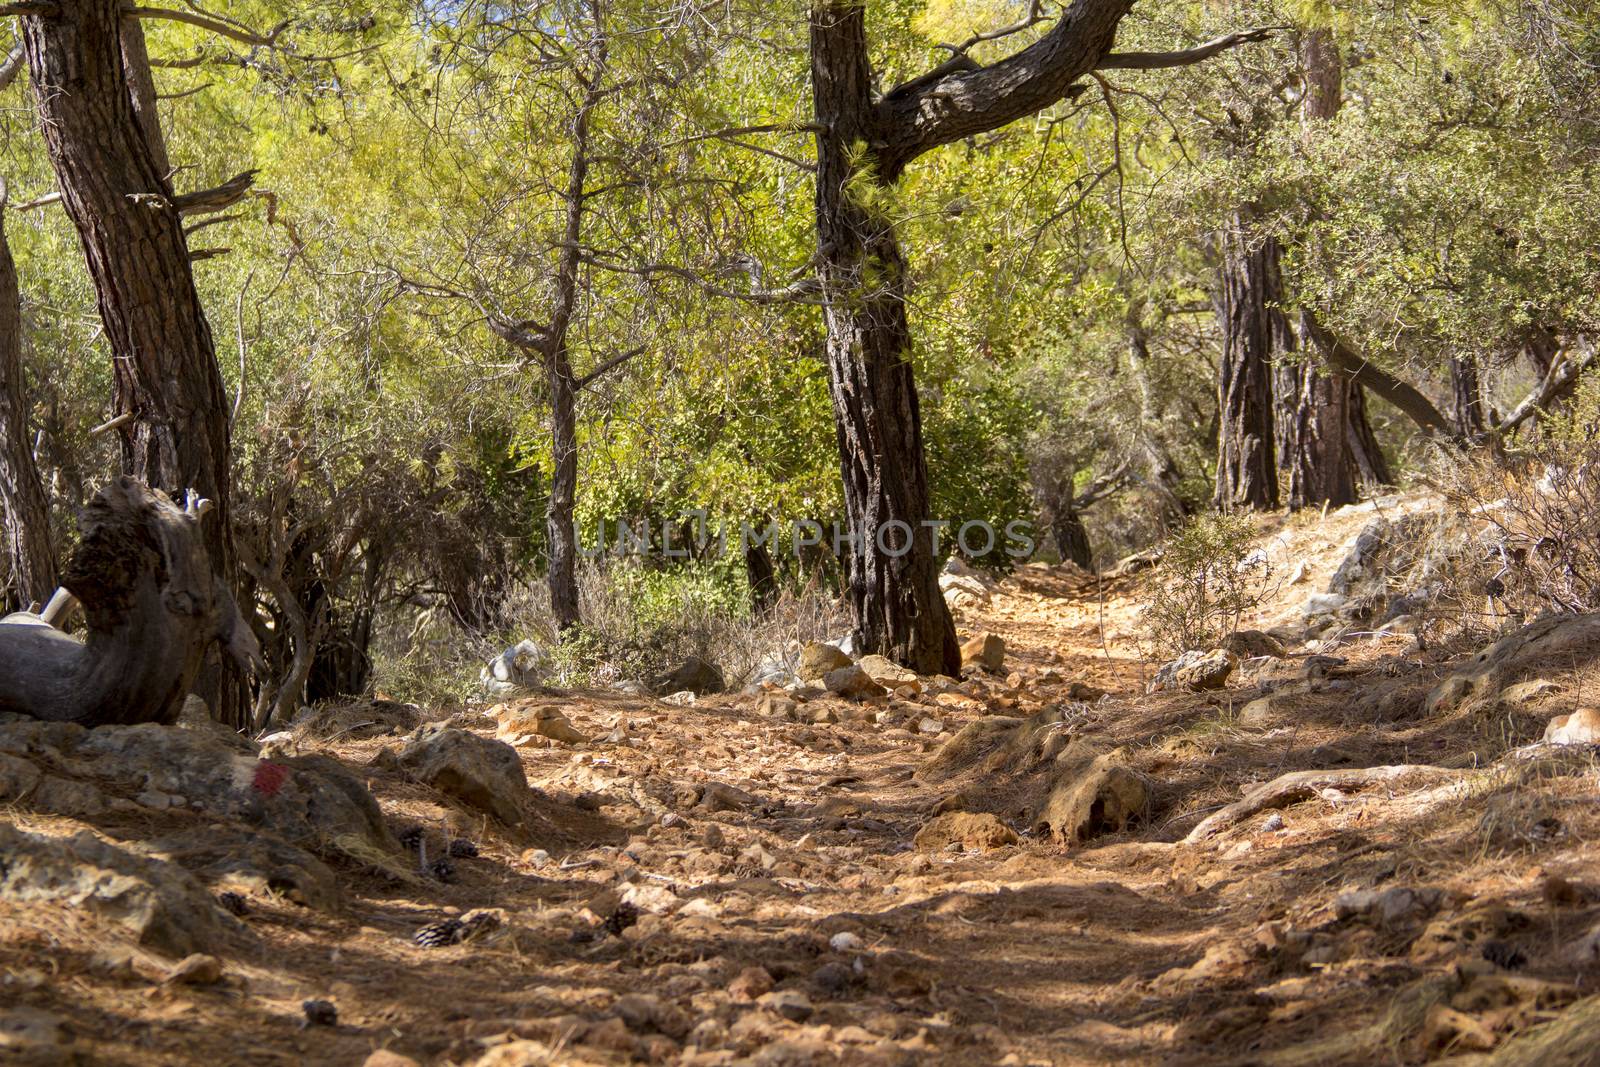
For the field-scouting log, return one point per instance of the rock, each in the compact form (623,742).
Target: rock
(1104,797)
(65,796)
(788,1003)
(310,801)
(1259,714)
(963,591)
(693,675)
(1196,672)
(1391,908)
(484,774)
(198,969)
(1253,644)
(320,1012)
(520,721)
(719,796)
(163,906)
(889,674)
(251,864)
(977,832)
(846,942)
(930,726)
(852,682)
(1083,692)
(17,777)
(1582,727)
(519,668)
(1491,670)
(1319,604)
(385,1058)
(986,650)
(773,706)
(751,983)
(817,660)
(1528,692)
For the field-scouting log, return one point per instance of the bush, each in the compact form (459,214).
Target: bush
(1540,512)
(1211,579)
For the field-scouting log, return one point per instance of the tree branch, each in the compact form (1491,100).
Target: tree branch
(1411,403)
(204,201)
(1563,372)
(11,67)
(214,23)
(609,365)
(794,293)
(1184,57)
(960,98)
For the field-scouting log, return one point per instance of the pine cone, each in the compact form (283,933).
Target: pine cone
(625,916)
(235,903)
(411,838)
(443,870)
(440,934)
(462,849)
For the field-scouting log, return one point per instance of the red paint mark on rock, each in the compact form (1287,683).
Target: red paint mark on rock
(269,778)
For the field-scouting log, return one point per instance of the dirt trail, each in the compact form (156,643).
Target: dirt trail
(684,846)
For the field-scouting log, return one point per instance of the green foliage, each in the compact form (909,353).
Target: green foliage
(1210,579)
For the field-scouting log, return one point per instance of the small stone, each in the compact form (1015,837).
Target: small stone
(833,978)
(790,1004)
(1582,727)
(384,1058)
(320,1013)
(930,726)
(1273,823)
(1258,714)
(198,969)
(986,650)
(846,942)
(817,660)
(852,682)
(752,983)
(964,830)
(889,674)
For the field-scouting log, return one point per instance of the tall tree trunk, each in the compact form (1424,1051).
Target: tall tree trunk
(898,608)
(1313,425)
(1072,537)
(1255,333)
(27,509)
(1466,398)
(762,575)
(115,191)
(1326,448)
(561,529)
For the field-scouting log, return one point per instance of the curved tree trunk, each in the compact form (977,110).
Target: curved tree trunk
(114,189)
(152,604)
(1072,537)
(1255,333)
(1372,467)
(27,509)
(898,608)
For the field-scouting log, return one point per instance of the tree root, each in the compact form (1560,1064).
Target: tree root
(1301,785)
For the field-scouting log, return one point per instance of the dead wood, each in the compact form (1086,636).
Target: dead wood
(1288,788)
(152,606)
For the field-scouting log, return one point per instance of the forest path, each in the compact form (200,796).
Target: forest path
(709,884)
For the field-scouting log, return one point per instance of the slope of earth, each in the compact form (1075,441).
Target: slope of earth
(762,879)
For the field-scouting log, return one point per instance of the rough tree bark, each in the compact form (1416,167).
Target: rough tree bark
(1161,469)
(152,604)
(1255,334)
(114,188)
(1326,448)
(864,143)
(1466,399)
(27,509)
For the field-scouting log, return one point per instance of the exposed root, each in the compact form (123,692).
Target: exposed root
(1286,789)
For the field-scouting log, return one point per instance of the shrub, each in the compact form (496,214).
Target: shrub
(1539,510)
(1210,579)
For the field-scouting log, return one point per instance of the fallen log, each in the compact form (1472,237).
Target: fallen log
(1295,786)
(152,607)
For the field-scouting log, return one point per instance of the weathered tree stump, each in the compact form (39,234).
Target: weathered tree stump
(152,606)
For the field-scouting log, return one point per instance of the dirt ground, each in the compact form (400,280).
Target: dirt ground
(708,884)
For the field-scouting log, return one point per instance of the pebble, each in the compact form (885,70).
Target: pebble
(846,942)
